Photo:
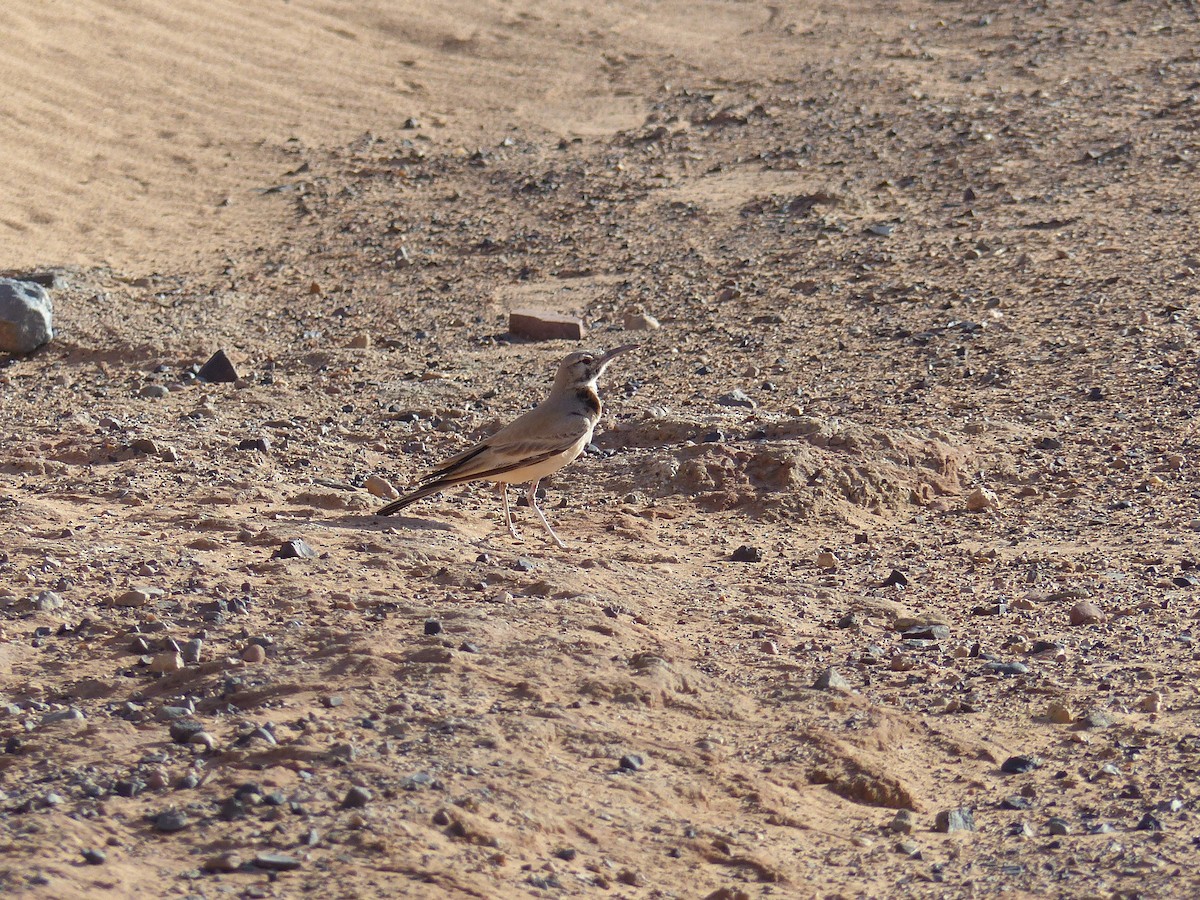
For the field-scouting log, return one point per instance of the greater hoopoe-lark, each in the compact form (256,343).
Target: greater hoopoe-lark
(537,444)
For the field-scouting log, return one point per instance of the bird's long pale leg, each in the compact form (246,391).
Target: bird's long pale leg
(508,519)
(541,515)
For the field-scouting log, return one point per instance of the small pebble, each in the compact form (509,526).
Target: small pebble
(957,819)
(218,369)
(48,601)
(171,820)
(276,862)
(1086,613)
(192,649)
(433,626)
(295,549)
(182,729)
(1007,668)
(1059,826)
(94,857)
(981,498)
(381,488)
(831,680)
(1059,713)
(356,798)
(1019,765)
(903,822)
(631,762)
(224,862)
(203,739)
(747,554)
(166,662)
(737,398)
(254,654)
(639,321)
(1149,822)
(1095,720)
(543,325)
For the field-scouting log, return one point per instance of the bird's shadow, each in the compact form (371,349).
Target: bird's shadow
(372,522)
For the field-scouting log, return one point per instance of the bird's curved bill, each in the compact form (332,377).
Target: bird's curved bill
(611,353)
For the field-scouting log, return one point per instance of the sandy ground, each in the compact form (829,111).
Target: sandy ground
(924,396)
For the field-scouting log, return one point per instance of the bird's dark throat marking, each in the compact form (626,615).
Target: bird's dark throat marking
(589,399)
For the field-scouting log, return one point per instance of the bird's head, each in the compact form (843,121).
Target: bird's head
(583,367)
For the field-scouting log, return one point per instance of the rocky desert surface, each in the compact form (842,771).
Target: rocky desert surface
(882,569)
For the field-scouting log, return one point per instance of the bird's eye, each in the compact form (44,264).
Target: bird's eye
(587,360)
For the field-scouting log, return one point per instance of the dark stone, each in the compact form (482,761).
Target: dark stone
(1016,802)
(261,444)
(958,819)
(897,578)
(183,729)
(1149,822)
(294,549)
(1059,826)
(566,854)
(1019,765)
(433,626)
(631,762)
(747,554)
(218,369)
(94,857)
(928,633)
(356,798)
(232,809)
(129,787)
(171,820)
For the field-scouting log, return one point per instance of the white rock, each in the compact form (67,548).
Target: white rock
(25,316)
(381,487)
(166,662)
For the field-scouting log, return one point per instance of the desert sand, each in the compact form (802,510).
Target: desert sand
(881,573)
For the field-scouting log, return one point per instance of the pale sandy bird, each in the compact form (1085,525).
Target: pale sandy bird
(537,444)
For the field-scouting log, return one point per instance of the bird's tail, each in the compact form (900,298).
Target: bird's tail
(409,499)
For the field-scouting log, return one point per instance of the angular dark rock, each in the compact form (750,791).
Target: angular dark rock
(957,819)
(1019,765)
(218,369)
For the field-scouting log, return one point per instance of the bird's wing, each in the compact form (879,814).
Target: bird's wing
(510,449)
